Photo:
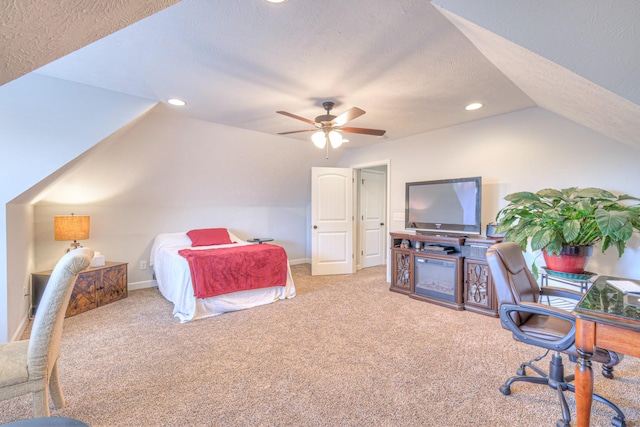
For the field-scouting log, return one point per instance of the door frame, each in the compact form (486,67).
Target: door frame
(356,204)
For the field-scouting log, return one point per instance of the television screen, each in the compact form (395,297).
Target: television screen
(448,205)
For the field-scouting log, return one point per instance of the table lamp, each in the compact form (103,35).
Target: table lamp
(71,227)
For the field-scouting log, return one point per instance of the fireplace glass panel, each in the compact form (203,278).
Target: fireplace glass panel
(435,278)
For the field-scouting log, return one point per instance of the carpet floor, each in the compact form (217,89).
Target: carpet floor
(344,352)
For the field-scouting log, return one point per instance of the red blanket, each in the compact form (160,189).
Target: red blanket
(224,270)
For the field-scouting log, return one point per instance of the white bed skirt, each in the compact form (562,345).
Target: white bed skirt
(205,307)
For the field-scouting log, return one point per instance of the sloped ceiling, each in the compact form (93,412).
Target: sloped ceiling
(580,64)
(36,32)
(411,65)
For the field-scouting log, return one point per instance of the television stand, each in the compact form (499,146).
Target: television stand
(428,267)
(450,271)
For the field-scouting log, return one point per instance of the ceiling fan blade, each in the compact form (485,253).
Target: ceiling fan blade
(347,116)
(376,132)
(297,131)
(311,122)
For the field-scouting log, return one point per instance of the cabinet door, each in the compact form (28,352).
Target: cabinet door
(84,294)
(114,284)
(402,270)
(478,285)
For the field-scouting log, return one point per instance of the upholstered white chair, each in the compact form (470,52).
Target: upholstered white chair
(31,366)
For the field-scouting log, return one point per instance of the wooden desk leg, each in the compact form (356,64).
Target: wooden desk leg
(585,338)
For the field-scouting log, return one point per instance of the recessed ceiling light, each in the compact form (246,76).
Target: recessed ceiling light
(176,101)
(277,1)
(473,106)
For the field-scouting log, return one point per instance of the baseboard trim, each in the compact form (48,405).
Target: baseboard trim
(133,286)
(300,261)
(20,330)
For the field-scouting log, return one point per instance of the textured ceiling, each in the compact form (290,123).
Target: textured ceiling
(36,32)
(412,66)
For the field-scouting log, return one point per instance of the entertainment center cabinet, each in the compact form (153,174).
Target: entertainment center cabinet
(450,271)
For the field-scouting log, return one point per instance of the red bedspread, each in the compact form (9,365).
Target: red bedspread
(224,270)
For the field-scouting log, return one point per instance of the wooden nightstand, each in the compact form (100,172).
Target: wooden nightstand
(95,286)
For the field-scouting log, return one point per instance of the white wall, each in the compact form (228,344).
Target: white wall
(45,123)
(522,151)
(20,259)
(168,173)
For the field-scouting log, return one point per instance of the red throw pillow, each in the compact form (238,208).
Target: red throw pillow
(209,236)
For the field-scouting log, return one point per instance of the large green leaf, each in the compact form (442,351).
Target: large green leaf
(523,196)
(595,193)
(571,229)
(541,239)
(627,197)
(611,223)
(584,207)
(550,193)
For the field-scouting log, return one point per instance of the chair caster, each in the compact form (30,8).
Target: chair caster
(505,390)
(521,372)
(618,422)
(562,423)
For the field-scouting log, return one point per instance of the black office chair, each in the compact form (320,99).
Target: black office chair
(541,325)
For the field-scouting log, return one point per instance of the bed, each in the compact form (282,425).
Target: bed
(173,275)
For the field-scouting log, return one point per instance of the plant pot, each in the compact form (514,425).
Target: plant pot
(572,259)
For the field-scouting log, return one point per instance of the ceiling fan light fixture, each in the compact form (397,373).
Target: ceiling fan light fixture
(328,128)
(319,139)
(335,138)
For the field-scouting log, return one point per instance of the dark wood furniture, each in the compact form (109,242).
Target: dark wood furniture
(479,295)
(401,273)
(473,283)
(605,319)
(96,286)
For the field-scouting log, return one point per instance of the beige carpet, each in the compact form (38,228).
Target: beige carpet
(345,352)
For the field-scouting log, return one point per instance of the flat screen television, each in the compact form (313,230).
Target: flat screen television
(444,206)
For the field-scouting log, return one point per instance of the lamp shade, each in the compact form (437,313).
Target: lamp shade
(71,227)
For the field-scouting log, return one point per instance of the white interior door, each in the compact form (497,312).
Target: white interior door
(373,219)
(331,221)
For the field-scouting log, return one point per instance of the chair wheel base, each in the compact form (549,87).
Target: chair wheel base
(505,390)
(562,423)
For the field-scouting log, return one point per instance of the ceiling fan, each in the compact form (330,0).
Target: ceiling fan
(327,127)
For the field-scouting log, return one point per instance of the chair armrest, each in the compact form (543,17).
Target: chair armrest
(534,308)
(553,291)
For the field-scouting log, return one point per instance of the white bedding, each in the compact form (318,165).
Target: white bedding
(174,281)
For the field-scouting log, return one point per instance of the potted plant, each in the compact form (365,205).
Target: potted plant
(565,224)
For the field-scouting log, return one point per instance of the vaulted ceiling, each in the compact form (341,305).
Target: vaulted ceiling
(411,64)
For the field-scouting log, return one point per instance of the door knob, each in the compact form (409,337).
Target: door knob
(382,223)
(315,226)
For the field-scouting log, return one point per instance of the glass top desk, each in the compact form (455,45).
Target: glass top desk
(606,319)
